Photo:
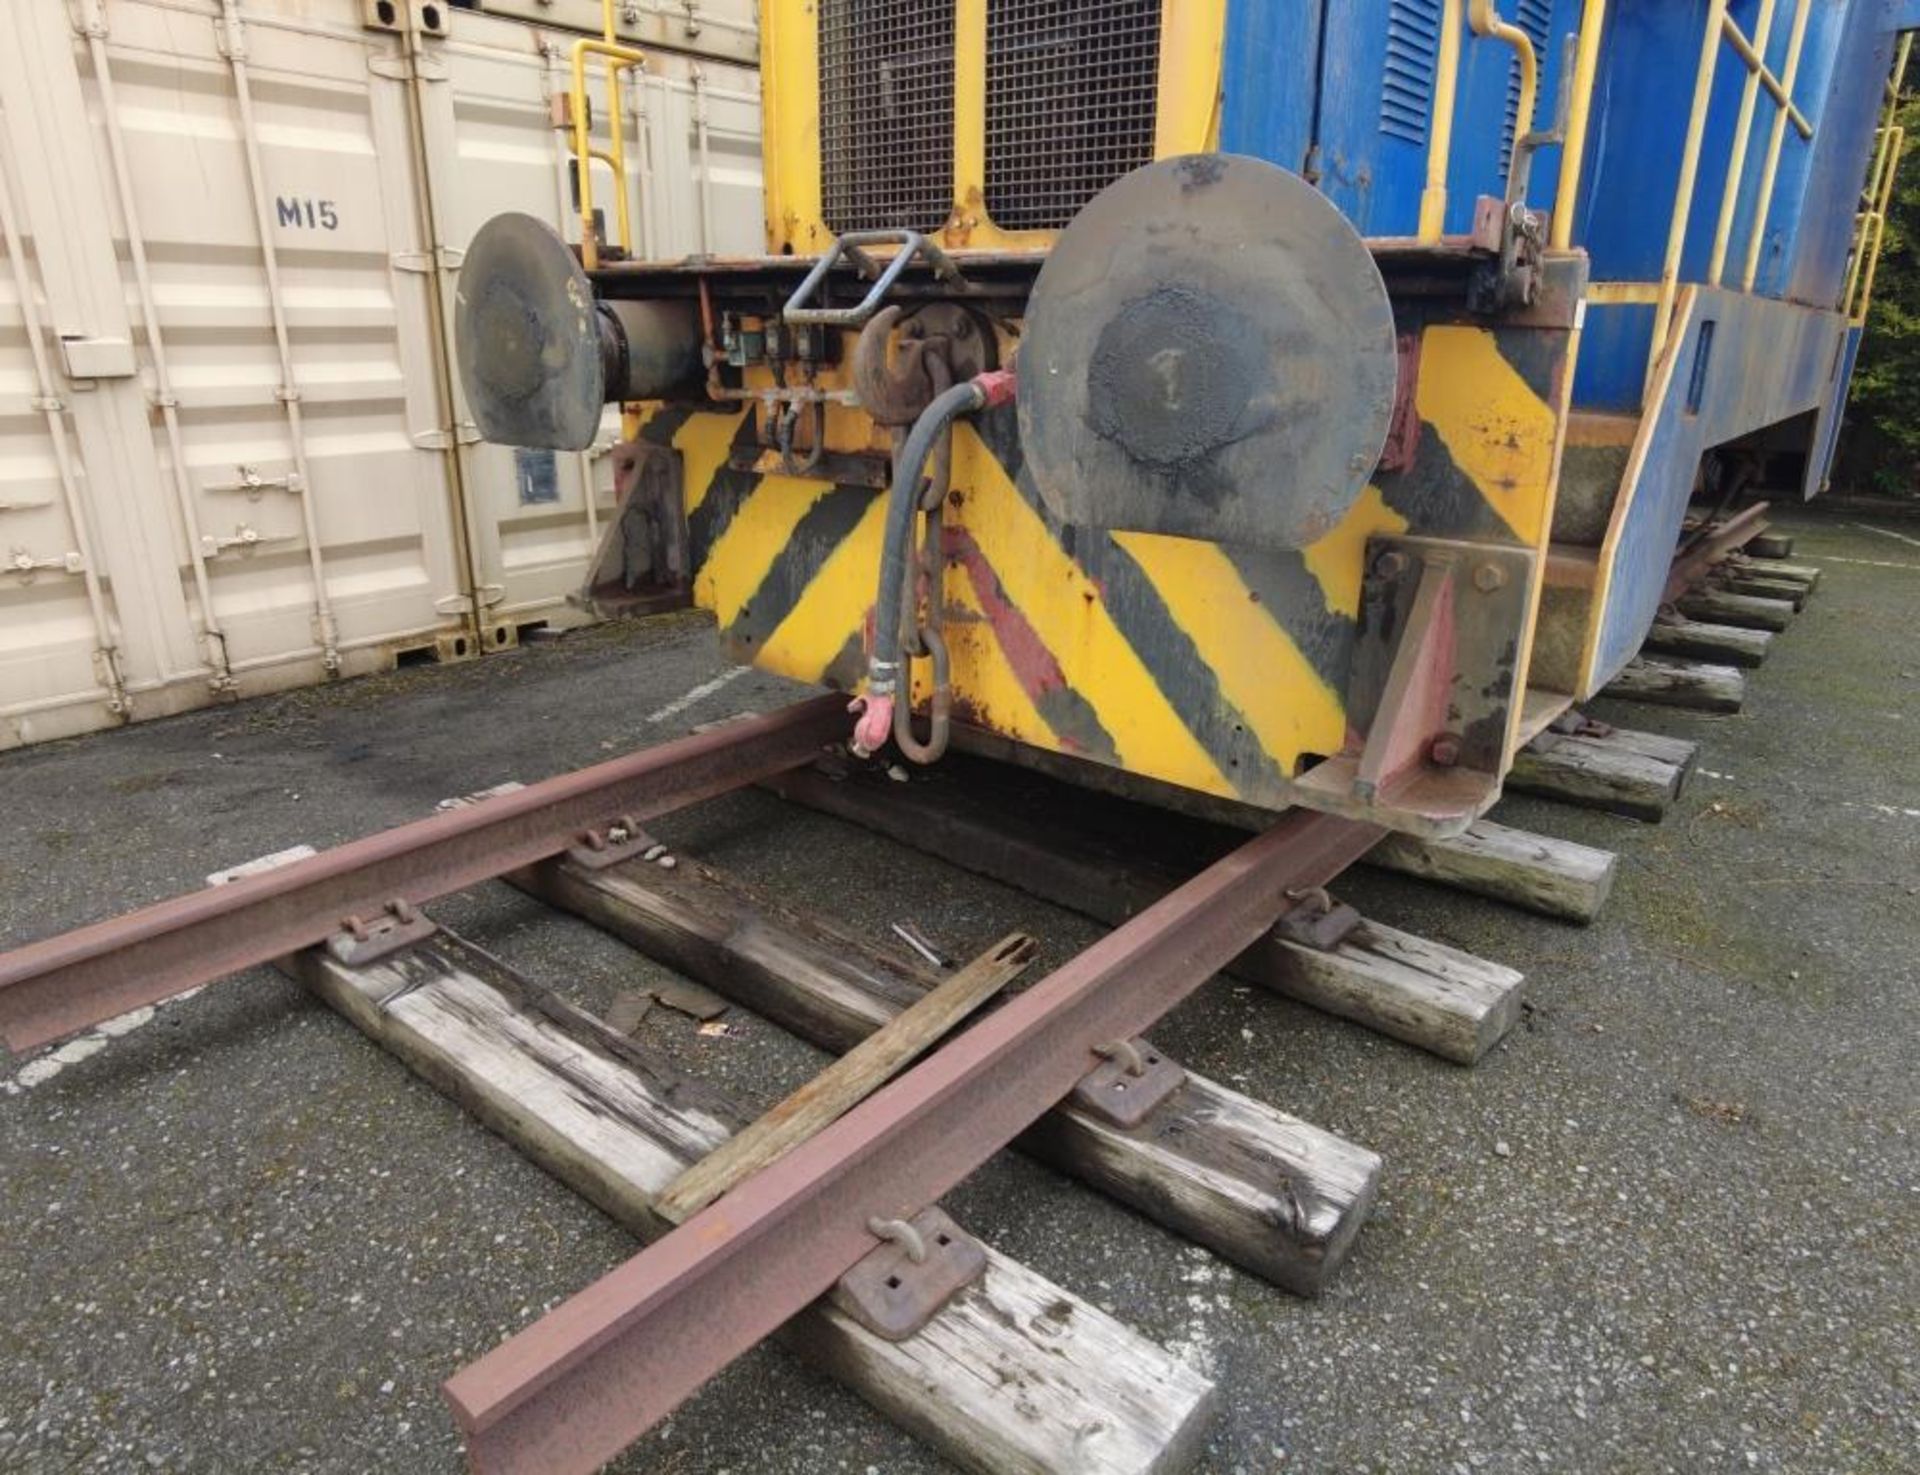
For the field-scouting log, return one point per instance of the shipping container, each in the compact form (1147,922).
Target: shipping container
(232,454)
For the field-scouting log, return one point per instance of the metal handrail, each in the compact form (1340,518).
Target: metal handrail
(619,59)
(1721,27)
(1486,21)
(1877,197)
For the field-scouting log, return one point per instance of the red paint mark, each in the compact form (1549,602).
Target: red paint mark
(1033,664)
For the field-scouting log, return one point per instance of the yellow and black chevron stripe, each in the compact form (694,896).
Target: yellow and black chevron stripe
(1217,668)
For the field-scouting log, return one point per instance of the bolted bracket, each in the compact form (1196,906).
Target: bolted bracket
(360,941)
(1125,1088)
(622,840)
(1317,921)
(923,1263)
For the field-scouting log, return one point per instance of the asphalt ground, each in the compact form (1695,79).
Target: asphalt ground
(1669,1225)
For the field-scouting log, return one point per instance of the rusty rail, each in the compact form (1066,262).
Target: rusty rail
(63,984)
(1712,545)
(598,1371)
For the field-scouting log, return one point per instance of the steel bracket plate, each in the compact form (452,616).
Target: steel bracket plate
(893,1296)
(360,943)
(1123,1096)
(1319,922)
(623,840)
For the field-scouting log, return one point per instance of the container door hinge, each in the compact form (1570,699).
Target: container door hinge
(446,258)
(466,433)
(487,596)
(394,68)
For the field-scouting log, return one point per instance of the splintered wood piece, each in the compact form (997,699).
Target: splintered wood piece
(1264,1189)
(1703,687)
(1557,878)
(627,1011)
(617,1124)
(1615,770)
(849,1080)
(1744,610)
(1699,640)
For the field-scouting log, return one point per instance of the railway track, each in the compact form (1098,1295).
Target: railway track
(820,1223)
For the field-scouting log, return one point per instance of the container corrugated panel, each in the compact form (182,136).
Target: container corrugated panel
(51,646)
(260,523)
(378,156)
(692,133)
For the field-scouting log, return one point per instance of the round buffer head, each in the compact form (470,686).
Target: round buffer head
(527,337)
(1209,352)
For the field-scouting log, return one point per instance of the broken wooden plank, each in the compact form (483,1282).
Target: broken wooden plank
(1698,640)
(1718,607)
(1700,685)
(1556,878)
(1050,850)
(1014,1374)
(849,1080)
(1264,1189)
(1608,770)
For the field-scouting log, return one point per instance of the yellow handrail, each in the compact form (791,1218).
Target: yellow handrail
(1683,192)
(619,58)
(1573,151)
(1737,156)
(1757,236)
(1896,139)
(1721,26)
(1877,197)
(1446,77)
(1486,21)
(1756,64)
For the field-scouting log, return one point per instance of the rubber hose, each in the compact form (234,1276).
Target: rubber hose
(903,502)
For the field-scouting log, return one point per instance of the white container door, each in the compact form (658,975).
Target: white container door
(243,301)
(487,91)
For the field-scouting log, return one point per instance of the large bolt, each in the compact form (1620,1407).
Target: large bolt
(1445,750)
(1489,577)
(1391,564)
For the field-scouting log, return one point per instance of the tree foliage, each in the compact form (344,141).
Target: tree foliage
(1880,449)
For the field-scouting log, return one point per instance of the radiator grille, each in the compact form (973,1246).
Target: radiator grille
(1071,93)
(886,113)
(1406,87)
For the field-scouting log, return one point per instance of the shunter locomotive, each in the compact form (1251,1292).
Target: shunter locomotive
(1295,403)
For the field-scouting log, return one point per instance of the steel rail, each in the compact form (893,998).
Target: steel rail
(1709,547)
(583,1382)
(55,987)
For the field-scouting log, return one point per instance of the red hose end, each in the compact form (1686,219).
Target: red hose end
(875,726)
(996,387)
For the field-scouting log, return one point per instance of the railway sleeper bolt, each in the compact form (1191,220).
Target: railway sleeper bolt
(399,926)
(1130,1083)
(921,1264)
